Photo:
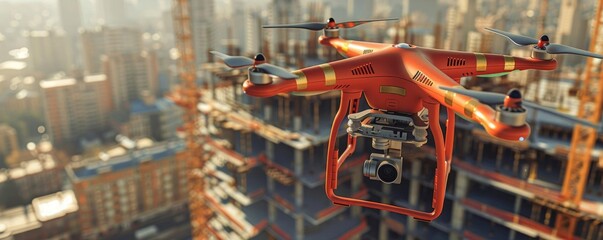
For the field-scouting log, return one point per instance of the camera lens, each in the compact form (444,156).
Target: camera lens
(387,173)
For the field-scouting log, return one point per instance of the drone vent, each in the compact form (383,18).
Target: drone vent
(420,77)
(363,70)
(455,62)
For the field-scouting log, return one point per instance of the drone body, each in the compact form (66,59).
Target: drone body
(404,86)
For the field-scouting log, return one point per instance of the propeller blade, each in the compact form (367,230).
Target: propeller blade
(315,26)
(560,114)
(488,98)
(233,61)
(276,71)
(517,39)
(554,48)
(352,24)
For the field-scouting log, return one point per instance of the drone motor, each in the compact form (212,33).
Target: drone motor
(511,112)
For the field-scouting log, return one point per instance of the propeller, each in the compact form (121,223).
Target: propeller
(543,44)
(257,64)
(490,98)
(331,24)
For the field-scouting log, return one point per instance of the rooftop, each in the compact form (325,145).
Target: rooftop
(13,65)
(53,83)
(119,160)
(44,162)
(17,220)
(139,107)
(21,219)
(63,82)
(55,205)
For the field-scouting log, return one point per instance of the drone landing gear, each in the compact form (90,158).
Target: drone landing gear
(396,130)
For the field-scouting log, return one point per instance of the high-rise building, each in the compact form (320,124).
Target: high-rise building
(202,24)
(121,187)
(113,12)
(360,9)
(253,31)
(49,52)
(283,12)
(70,14)
(108,41)
(71,20)
(130,75)
(154,118)
(460,20)
(8,140)
(571,28)
(74,107)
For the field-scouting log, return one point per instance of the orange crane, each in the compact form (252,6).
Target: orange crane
(583,139)
(187,96)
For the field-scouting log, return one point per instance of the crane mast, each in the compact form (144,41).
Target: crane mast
(187,96)
(583,138)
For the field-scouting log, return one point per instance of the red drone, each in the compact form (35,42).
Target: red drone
(404,85)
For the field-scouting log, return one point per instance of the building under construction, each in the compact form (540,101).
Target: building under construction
(263,171)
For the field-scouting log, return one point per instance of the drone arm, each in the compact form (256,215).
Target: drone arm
(468,107)
(339,75)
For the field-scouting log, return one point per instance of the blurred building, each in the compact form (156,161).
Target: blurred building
(460,21)
(22,96)
(131,74)
(154,118)
(108,41)
(47,217)
(70,13)
(49,52)
(251,38)
(203,26)
(283,12)
(8,140)
(113,12)
(571,28)
(127,185)
(360,9)
(37,176)
(74,107)
(71,16)
(11,69)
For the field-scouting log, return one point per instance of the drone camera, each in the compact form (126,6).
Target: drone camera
(383,168)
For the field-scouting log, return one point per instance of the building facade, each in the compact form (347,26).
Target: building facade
(108,41)
(131,75)
(49,52)
(8,140)
(124,187)
(37,176)
(74,107)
